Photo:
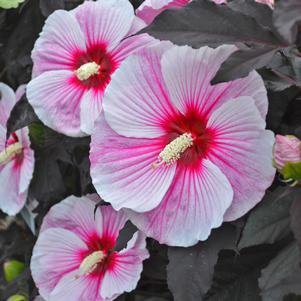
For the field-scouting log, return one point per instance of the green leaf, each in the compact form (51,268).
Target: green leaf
(10,3)
(17,298)
(12,269)
(292,171)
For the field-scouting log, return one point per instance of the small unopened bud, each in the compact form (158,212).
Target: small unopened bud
(287,157)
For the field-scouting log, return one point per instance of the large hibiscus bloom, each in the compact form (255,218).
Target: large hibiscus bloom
(74,58)
(16,157)
(182,154)
(75,257)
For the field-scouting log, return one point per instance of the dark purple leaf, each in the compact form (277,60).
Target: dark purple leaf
(193,267)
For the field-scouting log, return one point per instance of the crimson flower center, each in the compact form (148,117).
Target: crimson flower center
(188,140)
(90,262)
(12,150)
(93,68)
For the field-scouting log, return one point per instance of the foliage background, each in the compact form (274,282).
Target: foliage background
(254,258)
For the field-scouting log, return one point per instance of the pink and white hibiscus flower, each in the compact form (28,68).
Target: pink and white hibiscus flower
(74,257)
(16,157)
(182,154)
(74,58)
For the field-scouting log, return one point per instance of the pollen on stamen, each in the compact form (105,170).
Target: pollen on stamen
(9,152)
(87,70)
(89,264)
(173,151)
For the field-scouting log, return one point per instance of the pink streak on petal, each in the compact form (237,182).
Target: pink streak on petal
(112,222)
(77,289)
(150,9)
(20,92)
(187,73)
(131,45)
(76,215)
(127,268)
(194,204)
(105,21)
(243,151)
(7,101)
(136,103)
(90,109)
(61,36)
(56,100)
(55,254)
(27,164)
(125,164)
(11,201)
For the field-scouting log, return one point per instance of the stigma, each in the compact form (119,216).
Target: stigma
(89,264)
(87,70)
(10,152)
(173,151)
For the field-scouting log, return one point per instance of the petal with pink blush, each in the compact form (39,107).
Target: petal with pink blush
(56,101)
(11,201)
(150,9)
(112,221)
(27,165)
(77,289)
(76,215)
(252,86)
(126,164)
(20,92)
(105,22)
(131,45)
(190,209)
(136,103)
(128,264)
(243,151)
(90,109)
(56,254)
(60,39)
(7,101)
(187,73)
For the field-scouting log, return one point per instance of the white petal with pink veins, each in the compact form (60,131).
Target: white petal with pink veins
(11,201)
(194,204)
(7,101)
(56,101)
(70,287)
(127,268)
(105,21)
(243,151)
(136,103)
(77,215)
(150,9)
(60,39)
(121,169)
(56,254)
(188,72)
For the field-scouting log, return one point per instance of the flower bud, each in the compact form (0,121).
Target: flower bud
(287,157)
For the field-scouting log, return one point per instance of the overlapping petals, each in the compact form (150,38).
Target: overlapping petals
(188,153)
(74,58)
(16,157)
(74,257)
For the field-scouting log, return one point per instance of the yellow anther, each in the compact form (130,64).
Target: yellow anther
(9,152)
(173,151)
(85,71)
(89,264)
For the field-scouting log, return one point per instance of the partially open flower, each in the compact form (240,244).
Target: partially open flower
(74,58)
(182,154)
(287,157)
(75,257)
(16,157)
